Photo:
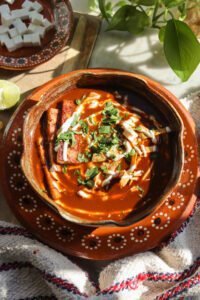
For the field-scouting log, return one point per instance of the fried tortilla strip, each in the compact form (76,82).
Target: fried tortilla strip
(51,129)
(72,152)
(53,186)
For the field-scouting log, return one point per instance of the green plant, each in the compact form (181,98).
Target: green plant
(181,46)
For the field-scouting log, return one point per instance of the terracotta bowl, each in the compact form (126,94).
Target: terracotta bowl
(148,96)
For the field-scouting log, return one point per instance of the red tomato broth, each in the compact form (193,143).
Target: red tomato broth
(120,202)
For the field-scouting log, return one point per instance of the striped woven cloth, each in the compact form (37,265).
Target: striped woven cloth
(32,271)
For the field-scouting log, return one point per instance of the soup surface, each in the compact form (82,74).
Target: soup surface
(95,155)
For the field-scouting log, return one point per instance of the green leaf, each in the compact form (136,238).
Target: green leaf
(146,2)
(102,7)
(161,34)
(173,3)
(182,49)
(129,18)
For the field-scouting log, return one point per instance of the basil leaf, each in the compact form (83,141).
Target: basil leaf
(173,3)
(129,18)
(182,49)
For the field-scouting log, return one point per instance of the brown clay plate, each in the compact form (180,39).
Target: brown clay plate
(103,243)
(58,11)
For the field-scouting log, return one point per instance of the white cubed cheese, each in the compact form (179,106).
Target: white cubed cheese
(18,41)
(28,4)
(6,19)
(37,6)
(20,13)
(47,24)
(10,45)
(27,38)
(20,26)
(32,39)
(10,1)
(36,18)
(36,39)
(13,32)
(4,9)
(37,29)
(3,38)
(3,29)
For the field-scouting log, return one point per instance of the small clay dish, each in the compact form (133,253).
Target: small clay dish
(58,12)
(147,96)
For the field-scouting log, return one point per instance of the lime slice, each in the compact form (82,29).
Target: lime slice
(9,94)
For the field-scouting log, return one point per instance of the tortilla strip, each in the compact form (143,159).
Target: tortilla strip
(53,186)
(51,129)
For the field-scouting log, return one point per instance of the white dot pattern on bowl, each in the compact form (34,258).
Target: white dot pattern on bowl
(18,182)
(91,242)
(116,241)
(45,222)
(65,233)
(140,234)
(160,221)
(28,203)
(175,201)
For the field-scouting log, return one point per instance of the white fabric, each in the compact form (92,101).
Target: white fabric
(31,270)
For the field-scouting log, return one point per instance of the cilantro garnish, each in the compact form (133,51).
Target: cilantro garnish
(119,167)
(82,158)
(104,169)
(78,101)
(84,126)
(104,129)
(66,137)
(111,114)
(77,172)
(64,169)
(91,173)
(92,120)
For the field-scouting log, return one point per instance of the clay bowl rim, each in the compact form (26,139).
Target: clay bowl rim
(153,86)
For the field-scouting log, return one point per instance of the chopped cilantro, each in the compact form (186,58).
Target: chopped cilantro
(88,183)
(77,172)
(119,167)
(132,152)
(104,129)
(111,114)
(64,169)
(78,101)
(82,158)
(104,169)
(66,137)
(91,173)
(91,120)
(84,126)
(89,180)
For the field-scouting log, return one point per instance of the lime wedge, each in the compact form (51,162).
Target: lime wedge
(9,94)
